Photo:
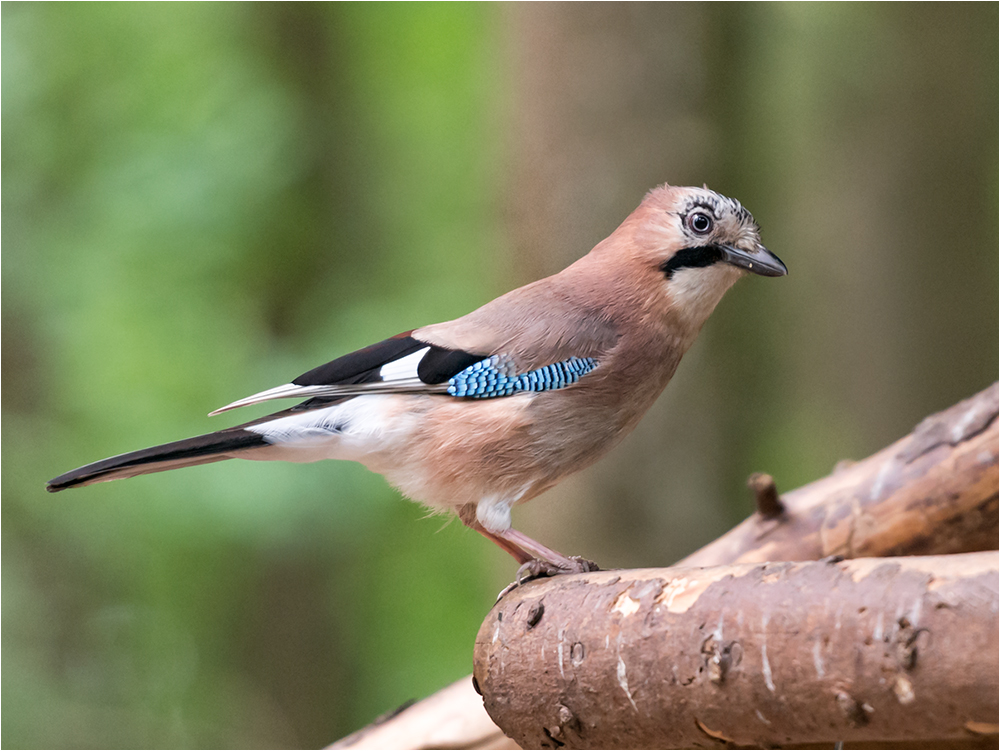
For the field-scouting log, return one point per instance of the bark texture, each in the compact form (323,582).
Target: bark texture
(870,650)
(931,492)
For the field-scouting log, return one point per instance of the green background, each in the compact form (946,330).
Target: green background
(202,201)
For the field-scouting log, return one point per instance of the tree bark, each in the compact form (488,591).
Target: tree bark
(753,654)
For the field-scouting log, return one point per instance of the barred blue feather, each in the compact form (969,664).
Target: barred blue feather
(494,377)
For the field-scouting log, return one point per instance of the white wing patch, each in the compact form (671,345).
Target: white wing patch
(404,368)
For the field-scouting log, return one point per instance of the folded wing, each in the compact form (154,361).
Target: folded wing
(406,365)
(401,364)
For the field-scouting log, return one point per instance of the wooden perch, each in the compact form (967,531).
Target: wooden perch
(932,492)
(753,654)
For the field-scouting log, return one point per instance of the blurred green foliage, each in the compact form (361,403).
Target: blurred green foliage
(184,187)
(204,200)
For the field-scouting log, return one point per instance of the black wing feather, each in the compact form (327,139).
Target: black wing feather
(363,365)
(440,364)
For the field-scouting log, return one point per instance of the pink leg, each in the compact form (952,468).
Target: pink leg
(535,559)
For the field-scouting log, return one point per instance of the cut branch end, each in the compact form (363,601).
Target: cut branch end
(765,494)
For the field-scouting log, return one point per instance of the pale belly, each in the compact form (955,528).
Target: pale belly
(442,452)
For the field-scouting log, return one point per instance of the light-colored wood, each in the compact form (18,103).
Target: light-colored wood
(451,718)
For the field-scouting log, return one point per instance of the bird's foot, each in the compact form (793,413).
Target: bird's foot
(538,569)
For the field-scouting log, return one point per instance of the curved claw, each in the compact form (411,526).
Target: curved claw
(538,569)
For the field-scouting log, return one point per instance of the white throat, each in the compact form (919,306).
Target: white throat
(695,292)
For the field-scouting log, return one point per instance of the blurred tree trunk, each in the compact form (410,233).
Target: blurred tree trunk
(610,100)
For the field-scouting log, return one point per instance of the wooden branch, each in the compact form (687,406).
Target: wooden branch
(765,495)
(451,718)
(932,492)
(754,654)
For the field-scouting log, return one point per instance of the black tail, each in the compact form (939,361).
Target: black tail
(202,449)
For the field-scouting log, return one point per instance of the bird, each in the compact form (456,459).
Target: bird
(481,413)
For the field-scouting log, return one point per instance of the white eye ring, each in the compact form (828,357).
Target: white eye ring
(699,222)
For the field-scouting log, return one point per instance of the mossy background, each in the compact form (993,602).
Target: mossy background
(201,201)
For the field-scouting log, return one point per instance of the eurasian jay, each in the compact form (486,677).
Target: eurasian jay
(479,414)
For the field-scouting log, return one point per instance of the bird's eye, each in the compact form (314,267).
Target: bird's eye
(700,223)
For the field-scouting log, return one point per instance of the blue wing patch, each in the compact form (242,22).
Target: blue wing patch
(494,377)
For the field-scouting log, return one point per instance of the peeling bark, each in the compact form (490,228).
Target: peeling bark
(754,654)
(932,492)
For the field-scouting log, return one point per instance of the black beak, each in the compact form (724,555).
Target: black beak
(760,261)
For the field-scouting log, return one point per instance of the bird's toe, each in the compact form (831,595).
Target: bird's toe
(538,569)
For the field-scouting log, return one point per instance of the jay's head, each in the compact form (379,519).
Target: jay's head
(693,244)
